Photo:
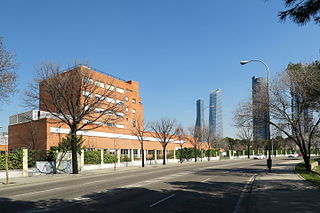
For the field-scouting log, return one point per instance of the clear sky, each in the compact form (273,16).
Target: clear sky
(178,50)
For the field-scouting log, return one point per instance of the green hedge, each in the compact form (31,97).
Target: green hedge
(125,158)
(15,160)
(188,153)
(92,157)
(108,158)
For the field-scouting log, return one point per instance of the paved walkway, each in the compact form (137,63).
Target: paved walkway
(282,190)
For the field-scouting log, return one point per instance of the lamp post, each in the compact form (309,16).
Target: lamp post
(269,160)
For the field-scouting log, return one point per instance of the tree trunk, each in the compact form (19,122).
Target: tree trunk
(195,155)
(164,155)
(209,154)
(181,155)
(248,147)
(142,159)
(306,160)
(74,152)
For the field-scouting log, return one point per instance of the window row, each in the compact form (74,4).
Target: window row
(103,85)
(108,99)
(106,124)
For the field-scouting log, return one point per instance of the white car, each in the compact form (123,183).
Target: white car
(259,157)
(293,155)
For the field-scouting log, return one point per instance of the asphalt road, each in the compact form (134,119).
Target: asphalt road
(216,186)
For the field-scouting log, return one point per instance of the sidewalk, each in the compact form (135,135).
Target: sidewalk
(282,190)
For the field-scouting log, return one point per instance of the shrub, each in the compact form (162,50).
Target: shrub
(108,158)
(92,157)
(125,158)
(15,159)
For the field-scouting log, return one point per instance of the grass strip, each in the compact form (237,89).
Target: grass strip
(313,176)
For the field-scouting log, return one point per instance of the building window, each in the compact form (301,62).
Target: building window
(111,124)
(111,112)
(134,111)
(110,100)
(119,90)
(120,102)
(120,126)
(134,123)
(99,84)
(134,100)
(120,114)
(88,94)
(87,80)
(99,97)
(99,110)
(109,87)
(127,109)
(126,99)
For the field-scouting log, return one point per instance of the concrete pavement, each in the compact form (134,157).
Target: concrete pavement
(282,190)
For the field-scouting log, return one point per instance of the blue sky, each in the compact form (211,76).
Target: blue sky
(178,50)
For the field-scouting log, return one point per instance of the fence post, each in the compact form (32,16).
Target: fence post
(132,156)
(118,156)
(145,156)
(101,156)
(25,172)
(82,159)
(155,156)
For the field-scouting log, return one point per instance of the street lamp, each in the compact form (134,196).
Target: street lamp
(269,160)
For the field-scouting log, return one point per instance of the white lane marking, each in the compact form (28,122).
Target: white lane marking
(81,198)
(205,180)
(160,201)
(139,184)
(48,190)
(244,190)
(32,193)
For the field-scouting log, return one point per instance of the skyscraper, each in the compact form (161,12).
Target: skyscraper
(215,114)
(260,110)
(200,113)
(200,116)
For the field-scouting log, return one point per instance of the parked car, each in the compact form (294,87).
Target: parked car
(293,155)
(259,157)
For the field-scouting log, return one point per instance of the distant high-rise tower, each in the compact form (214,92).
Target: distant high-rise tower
(200,116)
(215,114)
(260,113)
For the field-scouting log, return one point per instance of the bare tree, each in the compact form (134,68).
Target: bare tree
(7,75)
(209,138)
(164,131)
(74,98)
(295,105)
(139,130)
(195,133)
(181,140)
(244,124)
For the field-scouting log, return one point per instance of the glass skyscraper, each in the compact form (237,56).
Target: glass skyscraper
(200,114)
(200,117)
(261,127)
(215,114)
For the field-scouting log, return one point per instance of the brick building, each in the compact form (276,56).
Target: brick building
(39,129)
